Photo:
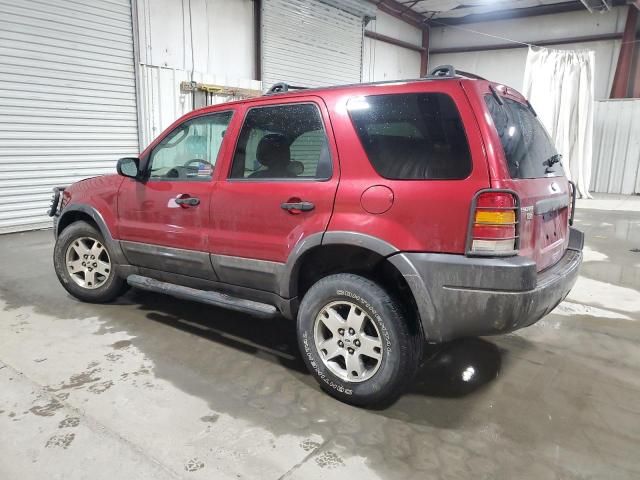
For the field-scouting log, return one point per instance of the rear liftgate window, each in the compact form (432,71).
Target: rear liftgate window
(414,136)
(529,151)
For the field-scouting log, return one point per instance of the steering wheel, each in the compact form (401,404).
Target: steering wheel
(197,160)
(181,171)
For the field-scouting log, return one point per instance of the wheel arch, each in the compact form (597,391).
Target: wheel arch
(351,252)
(81,212)
(67,218)
(313,244)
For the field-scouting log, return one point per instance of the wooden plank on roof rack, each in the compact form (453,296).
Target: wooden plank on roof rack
(187,87)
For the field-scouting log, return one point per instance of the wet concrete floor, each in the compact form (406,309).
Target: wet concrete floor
(152,387)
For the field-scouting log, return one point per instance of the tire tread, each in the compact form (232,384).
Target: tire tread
(115,285)
(410,340)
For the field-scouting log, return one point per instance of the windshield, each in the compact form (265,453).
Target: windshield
(529,151)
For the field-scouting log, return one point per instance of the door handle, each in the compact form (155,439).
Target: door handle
(188,201)
(297,207)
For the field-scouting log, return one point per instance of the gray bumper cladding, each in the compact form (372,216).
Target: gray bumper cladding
(459,296)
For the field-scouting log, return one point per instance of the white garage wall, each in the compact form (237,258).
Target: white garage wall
(507,66)
(502,66)
(383,61)
(223,35)
(223,54)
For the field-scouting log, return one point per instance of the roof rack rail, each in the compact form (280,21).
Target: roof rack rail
(282,87)
(448,71)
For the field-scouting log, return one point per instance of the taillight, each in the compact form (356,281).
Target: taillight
(494,224)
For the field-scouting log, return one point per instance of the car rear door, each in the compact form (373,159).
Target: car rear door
(278,191)
(527,162)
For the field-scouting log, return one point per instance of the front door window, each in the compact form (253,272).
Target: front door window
(191,150)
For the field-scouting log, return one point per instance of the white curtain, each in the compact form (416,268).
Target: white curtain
(560,84)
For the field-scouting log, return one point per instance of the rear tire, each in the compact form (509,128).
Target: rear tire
(85,266)
(356,340)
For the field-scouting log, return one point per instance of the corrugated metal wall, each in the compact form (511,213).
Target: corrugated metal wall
(311,44)
(616,150)
(67,100)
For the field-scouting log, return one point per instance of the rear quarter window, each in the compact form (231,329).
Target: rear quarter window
(415,136)
(528,149)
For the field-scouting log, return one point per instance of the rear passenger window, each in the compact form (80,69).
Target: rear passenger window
(413,136)
(282,142)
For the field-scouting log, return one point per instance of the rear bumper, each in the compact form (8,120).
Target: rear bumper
(460,296)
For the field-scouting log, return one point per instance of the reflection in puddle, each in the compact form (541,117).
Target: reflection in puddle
(458,368)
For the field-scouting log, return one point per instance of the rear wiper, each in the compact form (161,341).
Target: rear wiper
(552,160)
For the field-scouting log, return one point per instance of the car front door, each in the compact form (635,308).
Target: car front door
(164,218)
(278,193)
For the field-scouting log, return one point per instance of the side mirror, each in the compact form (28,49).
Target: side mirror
(129,167)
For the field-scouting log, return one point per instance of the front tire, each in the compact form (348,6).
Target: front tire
(85,266)
(356,340)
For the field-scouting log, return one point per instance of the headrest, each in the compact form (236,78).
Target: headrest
(273,150)
(295,168)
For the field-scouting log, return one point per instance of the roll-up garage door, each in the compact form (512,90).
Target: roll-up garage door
(67,100)
(311,43)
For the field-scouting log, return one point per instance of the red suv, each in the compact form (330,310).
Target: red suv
(378,216)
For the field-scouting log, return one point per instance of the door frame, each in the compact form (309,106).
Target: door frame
(267,101)
(265,274)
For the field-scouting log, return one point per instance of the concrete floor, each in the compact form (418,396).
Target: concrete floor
(153,387)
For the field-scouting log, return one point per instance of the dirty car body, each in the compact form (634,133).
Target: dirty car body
(378,216)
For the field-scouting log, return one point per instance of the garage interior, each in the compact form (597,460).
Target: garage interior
(154,387)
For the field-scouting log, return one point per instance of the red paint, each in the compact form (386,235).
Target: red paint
(99,192)
(427,215)
(245,218)
(533,232)
(377,199)
(148,213)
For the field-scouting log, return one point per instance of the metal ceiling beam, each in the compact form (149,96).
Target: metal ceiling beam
(601,7)
(401,12)
(417,19)
(548,9)
(424,55)
(540,43)
(635,3)
(393,41)
(622,78)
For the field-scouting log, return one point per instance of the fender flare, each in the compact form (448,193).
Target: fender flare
(421,295)
(112,244)
(288,280)
(288,287)
(420,292)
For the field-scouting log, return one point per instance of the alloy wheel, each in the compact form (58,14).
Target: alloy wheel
(88,262)
(348,341)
